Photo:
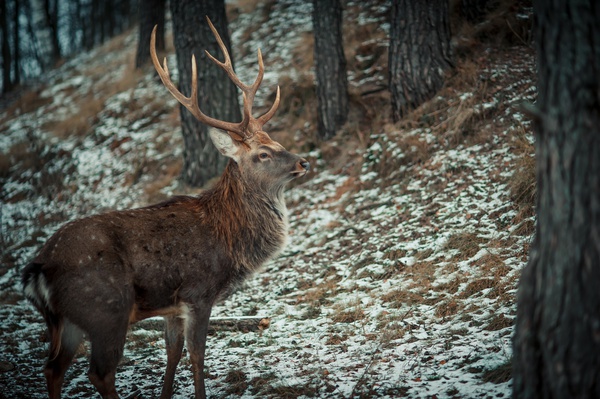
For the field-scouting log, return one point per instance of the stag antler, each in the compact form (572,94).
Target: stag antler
(239,131)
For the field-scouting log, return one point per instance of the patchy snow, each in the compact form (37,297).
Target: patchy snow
(371,298)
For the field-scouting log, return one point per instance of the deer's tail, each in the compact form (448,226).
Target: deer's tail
(37,290)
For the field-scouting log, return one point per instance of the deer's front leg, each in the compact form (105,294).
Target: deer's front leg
(174,343)
(196,328)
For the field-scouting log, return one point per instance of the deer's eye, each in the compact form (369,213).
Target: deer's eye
(264,155)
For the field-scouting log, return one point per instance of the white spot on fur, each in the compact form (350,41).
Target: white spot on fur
(184,313)
(44,289)
(71,334)
(38,291)
(30,292)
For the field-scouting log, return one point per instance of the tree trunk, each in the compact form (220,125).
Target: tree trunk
(35,48)
(6,53)
(217,96)
(87,27)
(475,11)
(51,16)
(330,65)
(557,337)
(419,52)
(16,56)
(152,12)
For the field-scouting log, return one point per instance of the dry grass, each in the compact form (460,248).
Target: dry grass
(448,308)
(262,384)
(78,124)
(28,100)
(293,391)
(468,244)
(92,103)
(238,382)
(500,27)
(499,322)
(265,386)
(303,53)
(415,149)
(522,185)
(477,286)
(498,375)
(298,112)
(348,312)
(422,275)
(336,339)
(18,154)
(170,172)
(492,265)
(316,296)
(391,331)
(452,286)
(400,298)
(397,151)
(233,9)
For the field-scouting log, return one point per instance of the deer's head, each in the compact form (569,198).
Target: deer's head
(260,159)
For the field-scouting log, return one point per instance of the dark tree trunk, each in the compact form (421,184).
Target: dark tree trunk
(28,10)
(6,53)
(475,11)
(557,337)
(75,27)
(330,65)
(217,96)
(152,12)
(98,20)
(51,15)
(87,28)
(16,56)
(419,52)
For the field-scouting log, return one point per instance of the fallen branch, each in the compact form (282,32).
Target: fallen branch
(240,323)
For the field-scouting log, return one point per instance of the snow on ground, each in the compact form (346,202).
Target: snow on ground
(397,282)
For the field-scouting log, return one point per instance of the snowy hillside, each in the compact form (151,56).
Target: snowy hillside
(406,240)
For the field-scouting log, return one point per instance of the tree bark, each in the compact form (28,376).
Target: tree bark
(51,15)
(475,11)
(6,53)
(557,337)
(152,12)
(217,95)
(419,52)
(330,66)
(16,55)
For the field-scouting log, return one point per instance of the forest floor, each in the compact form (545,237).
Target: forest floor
(406,240)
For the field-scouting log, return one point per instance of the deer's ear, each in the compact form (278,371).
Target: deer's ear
(224,143)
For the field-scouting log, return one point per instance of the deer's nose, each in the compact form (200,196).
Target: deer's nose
(305,165)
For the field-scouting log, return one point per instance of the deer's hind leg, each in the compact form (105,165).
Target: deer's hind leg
(106,325)
(108,342)
(65,338)
(174,339)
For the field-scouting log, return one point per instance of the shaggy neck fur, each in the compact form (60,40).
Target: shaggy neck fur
(246,216)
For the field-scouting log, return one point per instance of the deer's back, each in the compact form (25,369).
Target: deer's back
(161,255)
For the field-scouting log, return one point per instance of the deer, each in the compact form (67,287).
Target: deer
(96,276)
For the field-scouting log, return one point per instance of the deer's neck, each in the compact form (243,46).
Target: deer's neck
(251,220)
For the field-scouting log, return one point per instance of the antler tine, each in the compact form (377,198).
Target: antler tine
(264,118)
(191,102)
(239,131)
(248,91)
(227,66)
